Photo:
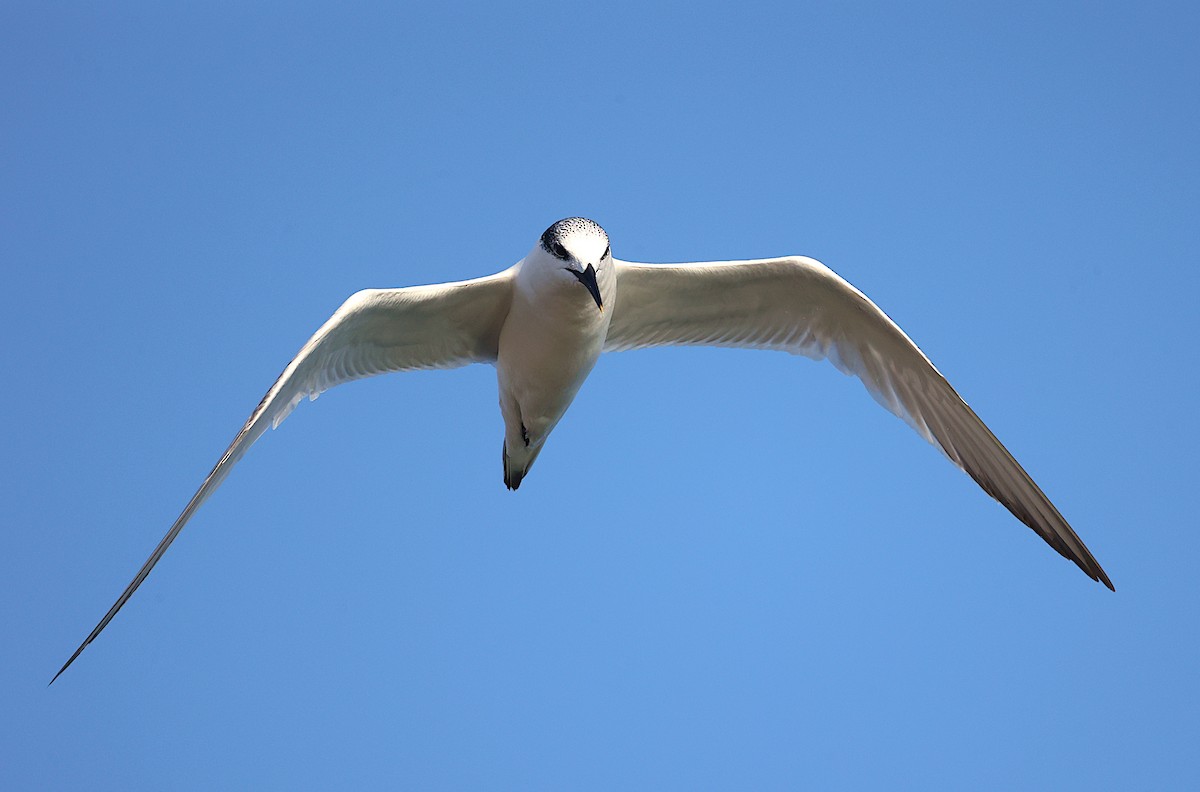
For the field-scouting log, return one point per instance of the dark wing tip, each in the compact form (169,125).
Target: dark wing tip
(67,664)
(1084,560)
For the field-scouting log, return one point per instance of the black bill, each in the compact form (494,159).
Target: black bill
(588,279)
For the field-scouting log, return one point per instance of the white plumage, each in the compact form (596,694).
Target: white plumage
(544,322)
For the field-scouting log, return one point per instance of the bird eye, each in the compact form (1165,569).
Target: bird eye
(558,250)
(607,252)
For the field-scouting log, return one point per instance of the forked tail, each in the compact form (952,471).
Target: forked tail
(516,466)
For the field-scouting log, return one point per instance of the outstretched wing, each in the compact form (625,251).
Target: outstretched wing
(375,331)
(798,305)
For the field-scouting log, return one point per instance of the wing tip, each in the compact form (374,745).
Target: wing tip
(1087,562)
(67,664)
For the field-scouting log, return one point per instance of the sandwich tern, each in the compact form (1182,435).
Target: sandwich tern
(545,321)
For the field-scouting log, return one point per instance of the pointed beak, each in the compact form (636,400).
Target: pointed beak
(588,279)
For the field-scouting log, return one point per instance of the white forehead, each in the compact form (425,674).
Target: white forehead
(583,238)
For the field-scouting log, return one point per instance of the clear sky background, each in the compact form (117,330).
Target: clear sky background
(728,570)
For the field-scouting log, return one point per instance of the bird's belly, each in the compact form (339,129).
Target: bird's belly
(540,368)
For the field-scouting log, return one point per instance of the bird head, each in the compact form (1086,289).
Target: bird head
(580,247)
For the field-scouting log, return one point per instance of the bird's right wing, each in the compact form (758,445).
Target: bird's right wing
(799,305)
(375,331)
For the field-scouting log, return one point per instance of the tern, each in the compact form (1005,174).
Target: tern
(545,321)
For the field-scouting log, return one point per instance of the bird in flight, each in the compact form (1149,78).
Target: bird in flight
(544,322)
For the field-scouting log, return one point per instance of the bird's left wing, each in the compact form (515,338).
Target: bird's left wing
(375,331)
(798,305)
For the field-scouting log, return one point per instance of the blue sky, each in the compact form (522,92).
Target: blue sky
(728,569)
